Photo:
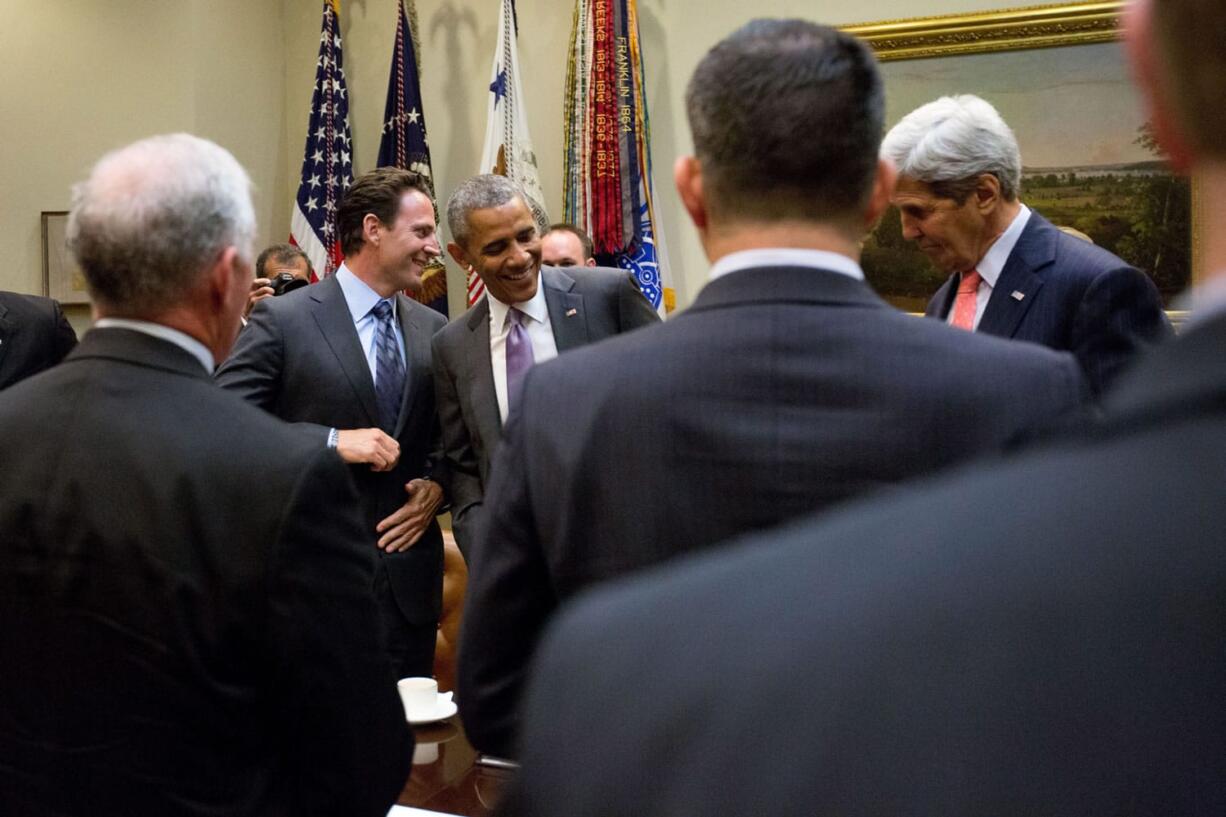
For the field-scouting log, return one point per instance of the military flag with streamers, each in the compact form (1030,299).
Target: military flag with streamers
(508,147)
(327,162)
(404,143)
(608,179)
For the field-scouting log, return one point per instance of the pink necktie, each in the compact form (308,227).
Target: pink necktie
(964,304)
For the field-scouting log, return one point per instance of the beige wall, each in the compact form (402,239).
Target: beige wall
(84,76)
(81,77)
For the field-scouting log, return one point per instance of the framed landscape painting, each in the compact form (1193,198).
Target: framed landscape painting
(1059,77)
(62,278)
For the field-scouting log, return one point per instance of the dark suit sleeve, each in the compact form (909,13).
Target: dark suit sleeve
(634,310)
(510,597)
(65,337)
(1119,315)
(345,743)
(255,366)
(458,466)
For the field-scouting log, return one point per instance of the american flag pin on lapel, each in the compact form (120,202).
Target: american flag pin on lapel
(1018,294)
(571,312)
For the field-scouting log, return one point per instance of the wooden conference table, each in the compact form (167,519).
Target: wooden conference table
(446,776)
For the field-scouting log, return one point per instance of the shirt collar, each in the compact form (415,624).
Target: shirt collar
(786,257)
(993,261)
(358,294)
(535,307)
(181,339)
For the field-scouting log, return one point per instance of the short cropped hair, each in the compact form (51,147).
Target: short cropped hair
(377,193)
(1188,39)
(577,232)
(153,216)
(282,254)
(787,117)
(950,142)
(479,193)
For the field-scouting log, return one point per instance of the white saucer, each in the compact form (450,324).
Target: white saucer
(444,708)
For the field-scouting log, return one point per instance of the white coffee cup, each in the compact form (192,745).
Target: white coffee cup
(419,696)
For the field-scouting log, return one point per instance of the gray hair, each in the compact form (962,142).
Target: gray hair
(153,216)
(478,193)
(955,139)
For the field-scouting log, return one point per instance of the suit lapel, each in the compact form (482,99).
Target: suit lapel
(1019,282)
(566,315)
(943,300)
(331,314)
(477,357)
(416,353)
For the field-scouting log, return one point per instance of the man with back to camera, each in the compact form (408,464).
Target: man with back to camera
(34,335)
(187,625)
(480,359)
(1057,654)
(787,386)
(1012,274)
(348,359)
(565,245)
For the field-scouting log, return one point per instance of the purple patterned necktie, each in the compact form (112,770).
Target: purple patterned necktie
(519,356)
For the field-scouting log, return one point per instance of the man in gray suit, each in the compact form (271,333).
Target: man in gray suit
(475,356)
(786,387)
(349,359)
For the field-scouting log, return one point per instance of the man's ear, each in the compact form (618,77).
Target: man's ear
(457,253)
(687,175)
(1142,55)
(370,229)
(987,193)
(883,189)
(226,275)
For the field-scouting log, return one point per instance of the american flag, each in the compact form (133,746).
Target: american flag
(404,143)
(327,162)
(508,147)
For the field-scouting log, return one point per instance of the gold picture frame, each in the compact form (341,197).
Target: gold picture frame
(1014,30)
(981,32)
(62,277)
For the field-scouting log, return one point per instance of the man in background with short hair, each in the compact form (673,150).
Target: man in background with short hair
(280,268)
(565,245)
(186,624)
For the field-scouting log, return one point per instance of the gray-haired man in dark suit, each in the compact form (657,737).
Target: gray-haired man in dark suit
(494,235)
